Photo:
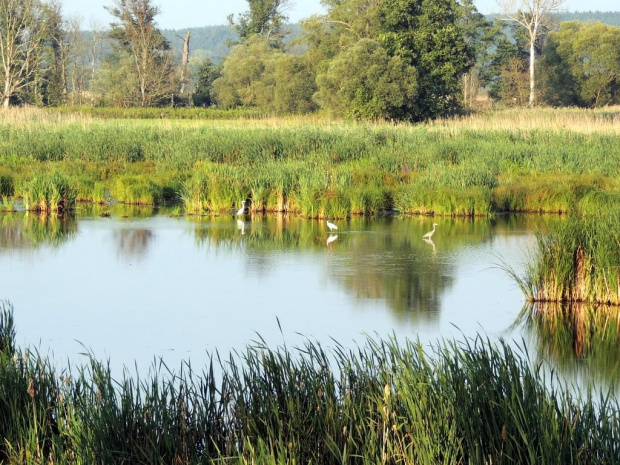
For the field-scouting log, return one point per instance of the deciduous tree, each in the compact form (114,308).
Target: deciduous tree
(532,15)
(265,18)
(22,33)
(136,35)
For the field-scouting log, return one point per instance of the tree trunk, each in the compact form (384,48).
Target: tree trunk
(532,83)
(185,61)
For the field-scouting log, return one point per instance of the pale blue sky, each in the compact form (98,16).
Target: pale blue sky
(177,14)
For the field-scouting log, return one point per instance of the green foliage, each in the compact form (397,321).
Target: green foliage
(429,36)
(256,75)
(364,82)
(265,18)
(207,74)
(137,190)
(141,52)
(7,185)
(49,193)
(582,65)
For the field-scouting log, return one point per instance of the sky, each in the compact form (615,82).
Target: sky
(179,14)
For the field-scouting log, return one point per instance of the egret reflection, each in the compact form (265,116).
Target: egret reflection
(332,238)
(241,226)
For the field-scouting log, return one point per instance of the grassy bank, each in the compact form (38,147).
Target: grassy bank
(383,402)
(547,161)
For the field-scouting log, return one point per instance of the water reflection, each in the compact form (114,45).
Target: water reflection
(378,274)
(133,243)
(26,231)
(582,340)
(387,259)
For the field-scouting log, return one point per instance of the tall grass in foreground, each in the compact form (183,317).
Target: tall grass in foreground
(383,402)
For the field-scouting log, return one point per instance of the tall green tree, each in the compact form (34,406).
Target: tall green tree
(140,47)
(365,82)
(506,74)
(582,65)
(257,75)
(208,72)
(430,36)
(265,18)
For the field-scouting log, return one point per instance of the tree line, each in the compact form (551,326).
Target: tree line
(372,59)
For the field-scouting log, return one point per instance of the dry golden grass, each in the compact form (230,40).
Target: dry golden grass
(587,121)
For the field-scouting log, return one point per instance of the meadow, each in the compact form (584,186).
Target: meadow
(512,161)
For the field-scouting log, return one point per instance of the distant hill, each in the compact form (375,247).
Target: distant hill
(205,42)
(608,17)
(210,41)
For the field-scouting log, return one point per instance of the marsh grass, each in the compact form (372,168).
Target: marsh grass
(49,193)
(577,262)
(543,161)
(381,402)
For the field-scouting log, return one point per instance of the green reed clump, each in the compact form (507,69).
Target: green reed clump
(419,199)
(577,262)
(7,185)
(383,402)
(137,190)
(49,193)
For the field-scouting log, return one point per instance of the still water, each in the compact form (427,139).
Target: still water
(144,284)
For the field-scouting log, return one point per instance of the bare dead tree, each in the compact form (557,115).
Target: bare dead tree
(22,32)
(532,15)
(185,60)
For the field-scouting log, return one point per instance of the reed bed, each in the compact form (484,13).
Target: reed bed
(382,402)
(579,261)
(49,193)
(316,167)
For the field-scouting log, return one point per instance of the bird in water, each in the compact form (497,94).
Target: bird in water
(331,226)
(242,209)
(429,234)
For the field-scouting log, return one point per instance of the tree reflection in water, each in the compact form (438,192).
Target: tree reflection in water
(133,243)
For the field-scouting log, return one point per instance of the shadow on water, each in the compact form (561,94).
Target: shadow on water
(580,340)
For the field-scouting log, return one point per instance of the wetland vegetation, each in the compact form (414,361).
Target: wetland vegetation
(381,402)
(542,161)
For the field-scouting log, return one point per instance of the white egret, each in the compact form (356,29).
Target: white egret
(429,234)
(331,226)
(242,209)
(332,238)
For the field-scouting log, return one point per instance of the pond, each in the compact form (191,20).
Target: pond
(143,284)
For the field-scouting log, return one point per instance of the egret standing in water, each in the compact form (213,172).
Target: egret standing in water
(331,226)
(429,234)
(242,209)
